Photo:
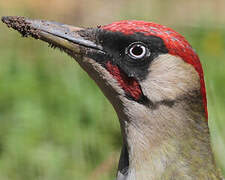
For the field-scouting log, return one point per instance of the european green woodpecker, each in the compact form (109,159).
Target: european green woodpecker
(154,80)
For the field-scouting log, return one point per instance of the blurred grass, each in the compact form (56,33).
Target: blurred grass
(55,124)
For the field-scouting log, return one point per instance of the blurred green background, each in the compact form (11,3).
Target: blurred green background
(55,124)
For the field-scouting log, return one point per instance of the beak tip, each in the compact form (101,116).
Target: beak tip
(21,24)
(12,21)
(6,19)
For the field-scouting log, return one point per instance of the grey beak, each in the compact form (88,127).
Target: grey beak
(61,35)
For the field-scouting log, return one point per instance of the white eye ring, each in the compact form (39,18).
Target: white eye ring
(137,50)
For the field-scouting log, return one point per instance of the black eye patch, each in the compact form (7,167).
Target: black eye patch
(116,45)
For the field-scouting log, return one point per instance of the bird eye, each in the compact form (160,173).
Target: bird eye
(137,50)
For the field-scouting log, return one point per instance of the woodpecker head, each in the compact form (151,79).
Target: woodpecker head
(134,62)
(157,62)
(155,82)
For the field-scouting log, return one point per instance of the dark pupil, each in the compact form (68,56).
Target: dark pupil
(137,50)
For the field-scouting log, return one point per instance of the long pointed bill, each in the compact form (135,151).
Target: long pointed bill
(66,37)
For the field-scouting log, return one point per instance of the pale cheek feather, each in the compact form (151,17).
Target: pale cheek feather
(169,77)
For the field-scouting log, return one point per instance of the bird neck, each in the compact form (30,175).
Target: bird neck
(167,142)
